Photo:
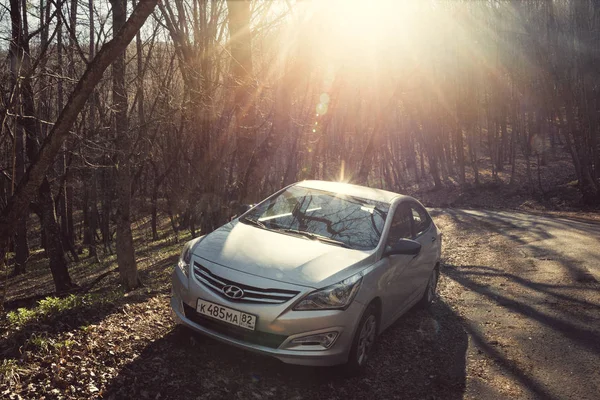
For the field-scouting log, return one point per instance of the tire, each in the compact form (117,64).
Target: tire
(430,290)
(363,342)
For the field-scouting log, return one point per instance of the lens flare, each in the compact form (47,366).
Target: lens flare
(321,109)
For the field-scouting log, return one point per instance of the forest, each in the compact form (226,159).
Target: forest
(208,105)
(214,104)
(130,127)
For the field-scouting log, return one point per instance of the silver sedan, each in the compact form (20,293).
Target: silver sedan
(312,274)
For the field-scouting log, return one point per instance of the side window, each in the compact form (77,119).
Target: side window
(421,219)
(400,228)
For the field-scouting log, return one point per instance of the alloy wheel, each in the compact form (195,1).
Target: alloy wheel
(432,287)
(366,339)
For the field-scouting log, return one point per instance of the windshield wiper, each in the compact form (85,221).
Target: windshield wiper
(333,241)
(254,222)
(315,236)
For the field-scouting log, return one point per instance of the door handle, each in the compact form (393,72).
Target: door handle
(433,239)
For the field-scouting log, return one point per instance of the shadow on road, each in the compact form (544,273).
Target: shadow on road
(421,356)
(571,326)
(528,288)
(572,244)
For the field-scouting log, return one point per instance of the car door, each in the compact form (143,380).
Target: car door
(425,233)
(397,287)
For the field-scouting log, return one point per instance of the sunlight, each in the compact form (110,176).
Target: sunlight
(362,28)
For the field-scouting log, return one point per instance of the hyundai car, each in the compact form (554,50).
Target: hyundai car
(312,274)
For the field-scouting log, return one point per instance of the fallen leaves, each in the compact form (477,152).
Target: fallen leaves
(79,362)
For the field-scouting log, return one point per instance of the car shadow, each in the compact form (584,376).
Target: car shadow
(421,356)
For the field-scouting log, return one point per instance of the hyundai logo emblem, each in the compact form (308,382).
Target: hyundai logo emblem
(233,292)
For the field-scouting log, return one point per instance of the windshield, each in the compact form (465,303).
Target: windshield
(351,221)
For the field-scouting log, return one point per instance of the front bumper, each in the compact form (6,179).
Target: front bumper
(277,325)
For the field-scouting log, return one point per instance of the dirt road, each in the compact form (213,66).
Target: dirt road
(526,289)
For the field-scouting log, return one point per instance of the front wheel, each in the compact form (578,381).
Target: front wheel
(364,341)
(431,289)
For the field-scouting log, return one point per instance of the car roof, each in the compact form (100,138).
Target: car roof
(351,190)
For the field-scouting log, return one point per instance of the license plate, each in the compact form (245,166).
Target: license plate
(226,314)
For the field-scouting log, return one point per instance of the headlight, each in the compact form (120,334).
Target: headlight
(186,256)
(336,296)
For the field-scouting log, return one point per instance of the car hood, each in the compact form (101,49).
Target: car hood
(278,256)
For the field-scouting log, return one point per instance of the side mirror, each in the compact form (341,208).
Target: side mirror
(403,247)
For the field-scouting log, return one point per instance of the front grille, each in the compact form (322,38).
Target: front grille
(251,294)
(255,337)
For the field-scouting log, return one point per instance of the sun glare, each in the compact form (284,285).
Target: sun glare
(362,28)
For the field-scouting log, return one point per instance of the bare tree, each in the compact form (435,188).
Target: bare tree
(125,250)
(244,100)
(34,176)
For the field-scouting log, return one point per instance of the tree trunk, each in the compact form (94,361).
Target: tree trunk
(90,212)
(473,153)
(434,168)
(16,55)
(241,67)
(291,169)
(460,155)
(45,100)
(503,143)
(421,174)
(58,263)
(364,169)
(580,163)
(91,188)
(21,243)
(62,163)
(513,151)
(125,251)
(21,248)
(154,210)
(69,193)
(60,91)
(140,80)
(539,172)
(154,201)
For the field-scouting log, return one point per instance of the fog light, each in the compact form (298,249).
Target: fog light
(321,339)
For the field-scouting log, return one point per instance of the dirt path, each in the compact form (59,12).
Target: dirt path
(526,289)
(518,317)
